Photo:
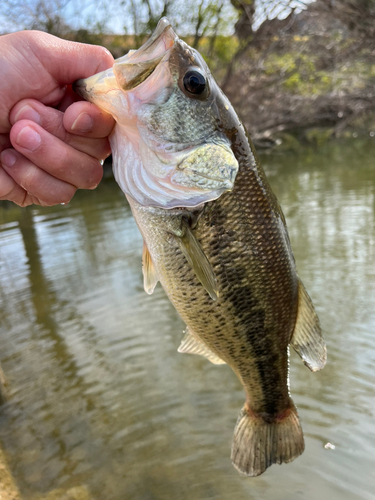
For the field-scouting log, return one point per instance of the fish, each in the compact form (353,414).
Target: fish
(214,234)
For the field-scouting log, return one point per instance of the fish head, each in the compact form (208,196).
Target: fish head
(169,145)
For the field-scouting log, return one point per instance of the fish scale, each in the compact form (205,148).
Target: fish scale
(214,234)
(250,300)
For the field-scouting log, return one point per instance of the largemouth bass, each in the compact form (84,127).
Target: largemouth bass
(214,233)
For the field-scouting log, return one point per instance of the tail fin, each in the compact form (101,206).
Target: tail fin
(257,444)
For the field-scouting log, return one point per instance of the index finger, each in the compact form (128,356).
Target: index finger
(85,119)
(81,118)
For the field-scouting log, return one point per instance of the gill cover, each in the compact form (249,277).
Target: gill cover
(166,152)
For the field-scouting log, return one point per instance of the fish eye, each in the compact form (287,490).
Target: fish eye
(194,82)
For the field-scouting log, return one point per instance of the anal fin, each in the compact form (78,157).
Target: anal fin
(194,254)
(192,345)
(307,337)
(150,277)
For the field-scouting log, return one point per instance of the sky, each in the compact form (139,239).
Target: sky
(118,19)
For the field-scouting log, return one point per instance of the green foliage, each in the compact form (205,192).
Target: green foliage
(218,52)
(85,36)
(318,135)
(300,72)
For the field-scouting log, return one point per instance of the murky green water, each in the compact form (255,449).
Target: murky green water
(98,394)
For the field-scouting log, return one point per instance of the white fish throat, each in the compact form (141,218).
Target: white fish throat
(169,180)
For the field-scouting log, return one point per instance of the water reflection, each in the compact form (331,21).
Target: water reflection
(97,392)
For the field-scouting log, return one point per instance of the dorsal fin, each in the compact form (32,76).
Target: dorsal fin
(150,277)
(191,345)
(194,254)
(307,337)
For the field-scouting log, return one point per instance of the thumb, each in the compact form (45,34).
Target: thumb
(68,61)
(39,66)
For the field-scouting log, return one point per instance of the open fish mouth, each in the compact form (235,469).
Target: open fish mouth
(158,160)
(130,70)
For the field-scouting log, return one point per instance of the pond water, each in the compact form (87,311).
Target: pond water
(98,394)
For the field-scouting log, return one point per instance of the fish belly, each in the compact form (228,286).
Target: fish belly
(251,323)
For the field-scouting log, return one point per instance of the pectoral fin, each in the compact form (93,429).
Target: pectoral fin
(307,337)
(194,254)
(149,272)
(192,345)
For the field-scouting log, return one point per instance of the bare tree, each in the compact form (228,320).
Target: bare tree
(286,62)
(58,17)
(45,15)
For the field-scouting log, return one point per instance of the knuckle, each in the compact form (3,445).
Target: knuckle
(18,196)
(12,193)
(31,180)
(106,149)
(7,194)
(60,195)
(97,177)
(93,176)
(27,200)
(102,149)
(67,195)
(62,165)
(53,123)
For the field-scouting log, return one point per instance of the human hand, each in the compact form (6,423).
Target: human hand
(54,153)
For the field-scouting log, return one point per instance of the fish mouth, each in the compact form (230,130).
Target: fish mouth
(130,70)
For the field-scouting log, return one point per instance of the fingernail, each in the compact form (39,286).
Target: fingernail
(8,158)
(27,113)
(29,139)
(83,123)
